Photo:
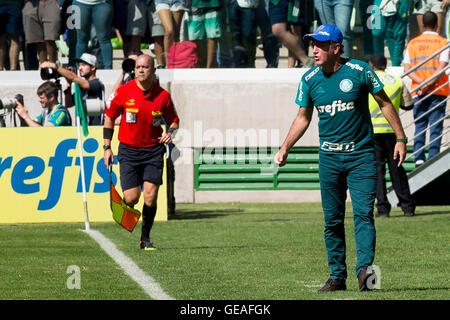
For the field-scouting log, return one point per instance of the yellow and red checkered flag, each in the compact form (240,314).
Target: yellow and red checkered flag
(122,213)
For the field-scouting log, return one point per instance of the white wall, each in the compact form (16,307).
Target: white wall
(218,107)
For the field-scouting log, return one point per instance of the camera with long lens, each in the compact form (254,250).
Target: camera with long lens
(10,103)
(49,74)
(128,69)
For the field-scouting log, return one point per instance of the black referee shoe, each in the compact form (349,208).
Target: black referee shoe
(333,285)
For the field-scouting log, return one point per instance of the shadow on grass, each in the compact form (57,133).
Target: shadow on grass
(419,214)
(229,247)
(412,289)
(277,216)
(181,214)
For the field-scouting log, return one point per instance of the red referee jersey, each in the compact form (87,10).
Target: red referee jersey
(142,116)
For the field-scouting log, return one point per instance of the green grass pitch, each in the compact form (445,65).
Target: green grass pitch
(227,251)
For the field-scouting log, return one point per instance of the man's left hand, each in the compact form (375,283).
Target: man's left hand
(21,110)
(166,139)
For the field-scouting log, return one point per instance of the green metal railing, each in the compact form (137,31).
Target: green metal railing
(253,169)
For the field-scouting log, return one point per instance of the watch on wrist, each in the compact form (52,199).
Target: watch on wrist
(403,140)
(106,147)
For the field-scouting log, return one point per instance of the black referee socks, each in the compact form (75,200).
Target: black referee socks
(148,216)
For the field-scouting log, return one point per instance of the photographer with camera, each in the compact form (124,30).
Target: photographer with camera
(128,65)
(91,86)
(53,113)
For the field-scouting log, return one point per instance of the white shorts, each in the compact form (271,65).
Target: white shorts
(172,5)
(422,6)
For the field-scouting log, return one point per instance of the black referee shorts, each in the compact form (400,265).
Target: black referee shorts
(140,164)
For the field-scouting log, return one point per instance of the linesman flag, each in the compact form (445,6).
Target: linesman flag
(122,213)
(80,108)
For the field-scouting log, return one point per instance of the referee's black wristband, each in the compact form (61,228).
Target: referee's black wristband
(108,133)
(171,130)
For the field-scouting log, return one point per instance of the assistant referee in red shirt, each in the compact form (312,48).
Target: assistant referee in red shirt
(144,107)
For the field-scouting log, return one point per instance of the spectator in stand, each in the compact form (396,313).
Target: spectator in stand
(171,14)
(446,6)
(431,111)
(126,75)
(365,12)
(271,45)
(439,7)
(69,30)
(53,114)
(224,46)
(10,26)
(245,17)
(91,87)
(286,18)
(338,13)
(120,23)
(204,23)
(42,23)
(98,13)
(392,27)
(142,13)
(242,18)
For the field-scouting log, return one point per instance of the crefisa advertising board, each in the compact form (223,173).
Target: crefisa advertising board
(40,176)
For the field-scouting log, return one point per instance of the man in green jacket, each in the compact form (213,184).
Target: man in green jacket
(390,22)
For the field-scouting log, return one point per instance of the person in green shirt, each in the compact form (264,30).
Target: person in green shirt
(338,89)
(392,26)
(204,22)
(53,113)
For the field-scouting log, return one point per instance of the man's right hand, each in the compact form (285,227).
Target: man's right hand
(48,64)
(108,157)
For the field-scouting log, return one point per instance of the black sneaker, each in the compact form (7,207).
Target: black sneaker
(147,245)
(409,214)
(366,279)
(333,285)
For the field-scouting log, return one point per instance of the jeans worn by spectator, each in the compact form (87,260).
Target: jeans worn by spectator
(271,45)
(100,15)
(224,49)
(338,13)
(431,120)
(243,29)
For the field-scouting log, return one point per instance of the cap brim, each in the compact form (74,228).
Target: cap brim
(318,37)
(81,60)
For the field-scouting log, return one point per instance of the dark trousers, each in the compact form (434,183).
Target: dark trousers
(337,173)
(384,149)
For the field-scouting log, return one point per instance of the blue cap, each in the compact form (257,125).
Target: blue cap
(325,32)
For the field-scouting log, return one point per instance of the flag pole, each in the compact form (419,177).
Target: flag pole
(83,182)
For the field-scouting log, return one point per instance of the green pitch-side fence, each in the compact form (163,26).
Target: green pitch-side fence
(252,169)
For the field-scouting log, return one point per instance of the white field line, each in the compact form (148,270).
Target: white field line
(148,284)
